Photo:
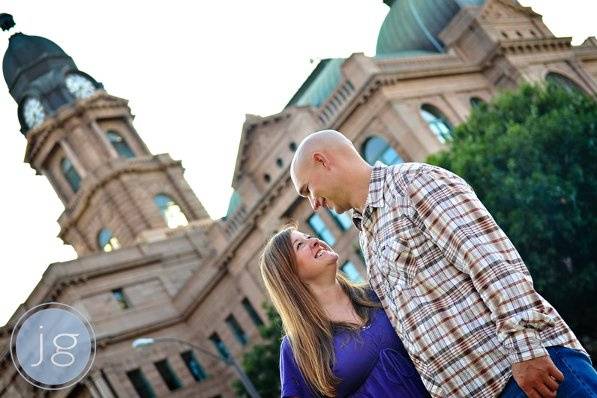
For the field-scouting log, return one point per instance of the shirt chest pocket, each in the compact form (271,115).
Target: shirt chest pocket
(397,265)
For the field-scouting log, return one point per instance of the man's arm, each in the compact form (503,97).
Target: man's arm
(457,222)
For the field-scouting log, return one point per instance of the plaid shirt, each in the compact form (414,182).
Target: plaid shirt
(453,285)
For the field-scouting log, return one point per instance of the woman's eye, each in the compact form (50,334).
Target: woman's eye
(299,244)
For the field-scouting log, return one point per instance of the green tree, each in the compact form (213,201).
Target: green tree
(531,157)
(261,363)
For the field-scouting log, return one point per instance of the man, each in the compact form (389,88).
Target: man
(457,292)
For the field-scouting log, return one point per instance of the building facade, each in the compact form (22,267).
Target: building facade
(152,263)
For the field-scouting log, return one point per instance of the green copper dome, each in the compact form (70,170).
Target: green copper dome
(320,84)
(235,201)
(415,24)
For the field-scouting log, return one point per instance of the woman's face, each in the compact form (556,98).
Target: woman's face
(315,260)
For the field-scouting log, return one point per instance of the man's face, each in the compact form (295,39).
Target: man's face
(320,185)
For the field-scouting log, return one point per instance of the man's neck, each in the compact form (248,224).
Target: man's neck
(361,183)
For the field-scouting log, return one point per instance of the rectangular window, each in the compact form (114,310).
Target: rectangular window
(140,383)
(252,312)
(321,230)
(349,269)
(123,302)
(220,346)
(237,330)
(193,365)
(170,378)
(342,220)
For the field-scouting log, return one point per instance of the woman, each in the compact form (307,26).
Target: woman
(338,340)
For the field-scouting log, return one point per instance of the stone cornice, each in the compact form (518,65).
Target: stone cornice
(587,50)
(393,71)
(510,4)
(251,123)
(531,46)
(100,100)
(100,177)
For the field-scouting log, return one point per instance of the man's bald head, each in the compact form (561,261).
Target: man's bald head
(323,170)
(325,142)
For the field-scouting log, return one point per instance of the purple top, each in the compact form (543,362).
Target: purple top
(370,362)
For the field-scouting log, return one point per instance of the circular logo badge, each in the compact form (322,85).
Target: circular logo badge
(52,346)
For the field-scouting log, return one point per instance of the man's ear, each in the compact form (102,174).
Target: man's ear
(320,159)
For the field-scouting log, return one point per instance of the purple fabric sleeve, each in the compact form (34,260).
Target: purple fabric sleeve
(292,382)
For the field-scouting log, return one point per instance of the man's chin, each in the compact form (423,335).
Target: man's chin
(338,209)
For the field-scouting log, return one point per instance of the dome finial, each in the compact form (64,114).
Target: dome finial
(6,21)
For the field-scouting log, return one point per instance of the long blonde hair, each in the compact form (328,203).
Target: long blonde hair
(304,321)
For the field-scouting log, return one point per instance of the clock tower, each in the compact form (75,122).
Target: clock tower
(114,190)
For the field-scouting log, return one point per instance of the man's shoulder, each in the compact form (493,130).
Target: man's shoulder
(411,169)
(404,174)
(400,176)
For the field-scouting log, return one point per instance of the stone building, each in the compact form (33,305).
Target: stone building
(152,263)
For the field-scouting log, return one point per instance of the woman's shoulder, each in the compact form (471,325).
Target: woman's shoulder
(285,347)
(287,360)
(292,382)
(371,294)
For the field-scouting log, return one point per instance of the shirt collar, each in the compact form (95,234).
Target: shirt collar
(375,196)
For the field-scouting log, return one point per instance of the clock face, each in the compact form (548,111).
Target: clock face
(33,112)
(79,86)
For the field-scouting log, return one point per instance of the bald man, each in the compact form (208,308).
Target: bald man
(455,288)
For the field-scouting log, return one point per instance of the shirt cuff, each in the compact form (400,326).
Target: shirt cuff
(524,345)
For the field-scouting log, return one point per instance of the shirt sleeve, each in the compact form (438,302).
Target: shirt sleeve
(457,222)
(292,383)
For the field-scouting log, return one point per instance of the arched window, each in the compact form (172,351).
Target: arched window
(106,241)
(377,148)
(563,81)
(71,175)
(120,145)
(476,102)
(437,122)
(171,212)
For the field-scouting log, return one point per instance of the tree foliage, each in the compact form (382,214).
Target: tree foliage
(261,363)
(531,157)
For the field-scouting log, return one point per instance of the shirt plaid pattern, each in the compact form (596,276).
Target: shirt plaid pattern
(453,285)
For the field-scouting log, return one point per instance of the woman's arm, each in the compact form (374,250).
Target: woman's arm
(292,382)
